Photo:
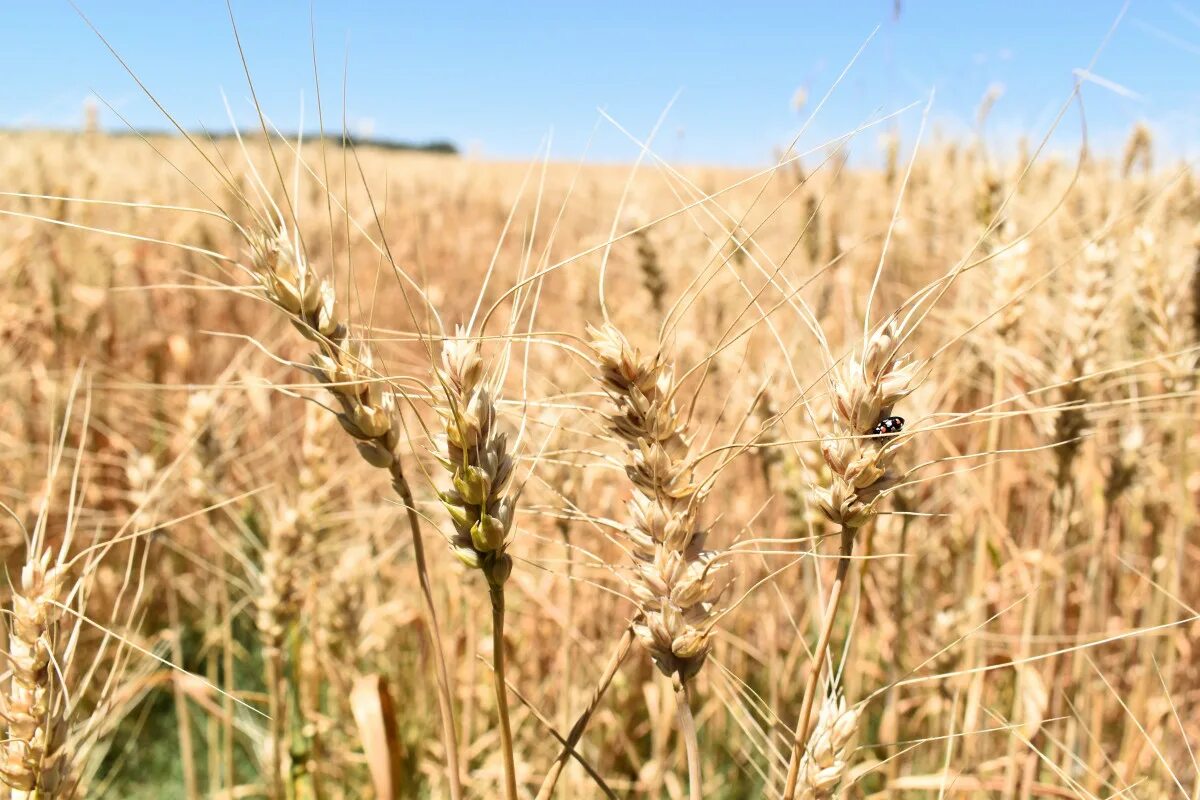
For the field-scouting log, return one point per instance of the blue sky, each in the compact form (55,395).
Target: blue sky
(497,78)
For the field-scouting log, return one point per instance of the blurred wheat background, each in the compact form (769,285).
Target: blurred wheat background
(336,471)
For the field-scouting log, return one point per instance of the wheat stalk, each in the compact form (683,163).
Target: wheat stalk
(676,582)
(864,393)
(369,413)
(1162,313)
(480,502)
(654,280)
(1084,325)
(1010,271)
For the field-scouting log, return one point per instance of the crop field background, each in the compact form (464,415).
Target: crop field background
(335,471)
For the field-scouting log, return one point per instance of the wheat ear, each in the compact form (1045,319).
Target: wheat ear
(676,582)
(824,765)
(480,501)
(34,708)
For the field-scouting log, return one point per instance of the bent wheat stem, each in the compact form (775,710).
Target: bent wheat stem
(576,733)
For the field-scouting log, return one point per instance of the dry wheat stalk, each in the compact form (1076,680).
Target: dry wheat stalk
(197,434)
(341,605)
(1162,313)
(278,601)
(1139,151)
(286,561)
(864,393)
(768,450)
(476,455)
(787,469)
(676,582)
(1083,329)
(370,410)
(291,545)
(1010,270)
(204,449)
(140,472)
(576,733)
(1084,325)
(889,142)
(654,280)
(344,364)
(277,606)
(989,194)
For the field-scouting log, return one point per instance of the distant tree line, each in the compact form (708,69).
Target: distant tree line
(432,146)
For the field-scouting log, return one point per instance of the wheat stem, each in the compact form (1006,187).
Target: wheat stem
(449,737)
(576,733)
(182,715)
(506,743)
(800,742)
(274,678)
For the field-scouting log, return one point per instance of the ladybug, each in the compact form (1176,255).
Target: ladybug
(888,426)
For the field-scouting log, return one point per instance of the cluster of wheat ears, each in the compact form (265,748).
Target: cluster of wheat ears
(818,481)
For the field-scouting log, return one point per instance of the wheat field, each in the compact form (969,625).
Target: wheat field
(341,472)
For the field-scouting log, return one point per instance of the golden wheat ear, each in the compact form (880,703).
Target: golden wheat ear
(35,706)
(826,759)
(676,581)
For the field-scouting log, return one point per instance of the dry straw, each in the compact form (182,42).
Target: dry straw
(1084,325)
(676,581)
(654,280)
(475,452)
(1010,271)
(1162,313)
(47,738)
(290,542)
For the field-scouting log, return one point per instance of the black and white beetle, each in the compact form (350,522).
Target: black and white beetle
(888,426)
